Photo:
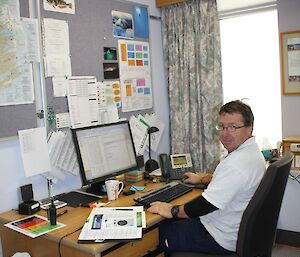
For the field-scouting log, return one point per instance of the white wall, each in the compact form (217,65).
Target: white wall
(12,172)
(289,20)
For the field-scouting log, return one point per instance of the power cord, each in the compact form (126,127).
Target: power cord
(60,240)
(295,177)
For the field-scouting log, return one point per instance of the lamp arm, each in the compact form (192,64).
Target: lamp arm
(150,146)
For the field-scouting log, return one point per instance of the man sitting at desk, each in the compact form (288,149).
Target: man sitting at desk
(212,220)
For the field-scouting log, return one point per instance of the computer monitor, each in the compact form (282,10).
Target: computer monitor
(103,152)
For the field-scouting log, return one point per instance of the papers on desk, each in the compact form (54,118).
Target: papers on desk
(113,223)
(33,226)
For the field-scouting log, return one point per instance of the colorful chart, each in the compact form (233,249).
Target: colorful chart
(33,226)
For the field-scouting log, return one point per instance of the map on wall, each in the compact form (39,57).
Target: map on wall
(16,80)
(10,68)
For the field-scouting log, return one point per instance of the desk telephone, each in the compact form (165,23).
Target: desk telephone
(173,166)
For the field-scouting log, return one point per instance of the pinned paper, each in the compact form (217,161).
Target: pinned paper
(34,151)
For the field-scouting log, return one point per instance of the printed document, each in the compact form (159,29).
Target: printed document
(113,223)
(34,150)
(56,47)
(82,101)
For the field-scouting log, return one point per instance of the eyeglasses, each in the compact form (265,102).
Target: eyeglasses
(230,128)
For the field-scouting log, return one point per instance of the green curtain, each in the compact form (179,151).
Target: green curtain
(191,42)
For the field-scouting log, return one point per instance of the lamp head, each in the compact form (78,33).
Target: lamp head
(151,165)
(152,130)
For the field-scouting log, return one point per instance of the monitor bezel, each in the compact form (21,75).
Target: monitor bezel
(90,182)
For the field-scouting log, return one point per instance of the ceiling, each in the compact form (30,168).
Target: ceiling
(226,5)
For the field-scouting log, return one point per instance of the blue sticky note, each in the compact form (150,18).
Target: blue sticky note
(146,90)
(130,47)
(130,54)
(137,188)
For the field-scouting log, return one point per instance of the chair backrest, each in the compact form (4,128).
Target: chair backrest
(259,221)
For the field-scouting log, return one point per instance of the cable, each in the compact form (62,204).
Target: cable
(295,177)
(60,240)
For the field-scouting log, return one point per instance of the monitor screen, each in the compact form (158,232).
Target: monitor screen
(104,151)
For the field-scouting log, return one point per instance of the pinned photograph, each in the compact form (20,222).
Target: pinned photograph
(122,24)
(110,53)
(63,6)
(111,70)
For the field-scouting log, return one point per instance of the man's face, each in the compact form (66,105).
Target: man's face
(233,139)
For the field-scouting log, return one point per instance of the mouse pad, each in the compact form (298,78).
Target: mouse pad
(75,199)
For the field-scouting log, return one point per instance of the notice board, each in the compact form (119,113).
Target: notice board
(90,30)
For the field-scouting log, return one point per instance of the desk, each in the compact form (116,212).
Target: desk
(47,245)
(286,147)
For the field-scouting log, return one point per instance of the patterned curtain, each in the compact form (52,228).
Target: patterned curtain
(191,39)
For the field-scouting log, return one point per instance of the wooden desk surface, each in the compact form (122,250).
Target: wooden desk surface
(76,217)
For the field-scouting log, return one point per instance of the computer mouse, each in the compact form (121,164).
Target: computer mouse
(129,192)
(200,185)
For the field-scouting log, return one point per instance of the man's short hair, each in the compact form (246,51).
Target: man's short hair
(238,106)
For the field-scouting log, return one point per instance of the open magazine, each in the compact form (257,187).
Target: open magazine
(113,223)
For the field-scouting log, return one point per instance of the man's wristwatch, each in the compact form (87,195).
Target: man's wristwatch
(175,211)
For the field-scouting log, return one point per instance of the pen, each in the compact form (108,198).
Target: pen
(94,205)
(62,213)
(123,209)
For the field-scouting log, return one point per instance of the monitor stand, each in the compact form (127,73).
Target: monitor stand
(96,188)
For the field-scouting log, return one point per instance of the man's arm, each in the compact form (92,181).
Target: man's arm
(197,207)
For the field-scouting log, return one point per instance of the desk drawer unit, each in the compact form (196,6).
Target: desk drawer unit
(146,246)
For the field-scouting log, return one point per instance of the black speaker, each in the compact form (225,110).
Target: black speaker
(26,193)
(29,206)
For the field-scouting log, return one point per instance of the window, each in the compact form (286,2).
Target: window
(251,70)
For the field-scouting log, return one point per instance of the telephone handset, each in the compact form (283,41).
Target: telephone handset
(165,165)
(175,162)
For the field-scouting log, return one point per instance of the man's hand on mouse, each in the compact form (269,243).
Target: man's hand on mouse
(193,178)
(163,209)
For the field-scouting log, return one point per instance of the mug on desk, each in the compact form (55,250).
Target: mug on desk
(113,189)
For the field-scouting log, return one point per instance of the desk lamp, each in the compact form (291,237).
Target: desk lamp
(151,164)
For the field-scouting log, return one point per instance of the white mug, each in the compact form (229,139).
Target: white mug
(113,189)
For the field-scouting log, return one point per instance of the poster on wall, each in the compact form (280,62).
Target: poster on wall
(290,62)
(122,24)
(135,75)
(140,21)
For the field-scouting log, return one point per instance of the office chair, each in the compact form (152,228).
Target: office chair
(258,225)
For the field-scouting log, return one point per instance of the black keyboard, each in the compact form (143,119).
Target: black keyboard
(166,193)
